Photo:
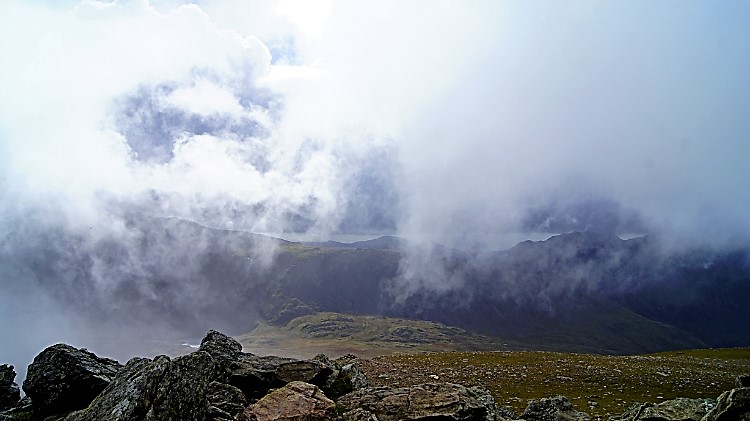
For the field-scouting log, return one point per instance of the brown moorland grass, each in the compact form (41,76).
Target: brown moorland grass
(598,384)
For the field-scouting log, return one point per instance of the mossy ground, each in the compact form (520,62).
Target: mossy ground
(597,384)
(399,352)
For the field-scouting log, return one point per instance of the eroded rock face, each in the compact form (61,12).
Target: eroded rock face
(158,389)
(732,405)
(432,400)
(680,409)
(556,408)
(10,394)
(62,378)
(297,401)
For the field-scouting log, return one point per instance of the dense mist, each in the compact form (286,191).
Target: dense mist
(463,128)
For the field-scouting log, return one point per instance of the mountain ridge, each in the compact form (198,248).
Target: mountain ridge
(175,277)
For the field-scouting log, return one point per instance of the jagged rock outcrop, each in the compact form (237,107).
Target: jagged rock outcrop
(680,409)
(431,400)
(557,408)
(10,394)
(732,405)
(297,401)
(62,379)
(224,351)
(219,382)
(158,389)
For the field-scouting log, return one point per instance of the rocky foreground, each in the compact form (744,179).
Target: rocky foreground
(220,382)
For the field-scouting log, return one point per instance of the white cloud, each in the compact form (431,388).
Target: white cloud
(472,112)
(206,99)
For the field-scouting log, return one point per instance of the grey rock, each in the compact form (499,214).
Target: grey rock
(10,394)
(557,408)
(62,379)
(21,410)
(224,351)
(255,376)
(182,392)
(346,380)
(680,409)
(731,405)
(225,401)
(131,393)
(431,400)
(358,414)
(297,401)
(158,389)
(506,413)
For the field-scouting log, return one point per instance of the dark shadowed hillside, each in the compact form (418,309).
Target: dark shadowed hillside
(578,291)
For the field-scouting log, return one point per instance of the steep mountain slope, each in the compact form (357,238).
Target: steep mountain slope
(578,291)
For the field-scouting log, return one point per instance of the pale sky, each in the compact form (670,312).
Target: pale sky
(449,120)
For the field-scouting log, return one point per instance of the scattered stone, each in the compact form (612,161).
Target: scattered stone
(680,409)
(732,405)
(10,394)
(62,379)
(431,400)
(553,409)
(295,401)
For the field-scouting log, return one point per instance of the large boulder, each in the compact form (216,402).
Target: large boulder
(158,389)
(732,405)
(742,381)
(255,376)
(62,379)
(297,401)
(10,394)
(557,408)
(680,409)
(425,401)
